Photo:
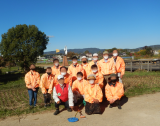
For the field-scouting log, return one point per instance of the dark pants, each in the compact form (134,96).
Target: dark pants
(47,98)
(32,95)
(117,102)
(92,108)
(105,81)
(66,104)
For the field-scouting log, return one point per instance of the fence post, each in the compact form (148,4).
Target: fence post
(148,65)
(151,66)
(141,65)
(131,65)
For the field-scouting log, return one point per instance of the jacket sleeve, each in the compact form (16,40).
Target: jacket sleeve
(43,85)
(70,96)
(27,81)
(74,87)
(112,67)
(120,92)
(122,67)
(99,95)
(100,80)
(70,80)
(51,86)
(69,70)
(55,95)
(108,93)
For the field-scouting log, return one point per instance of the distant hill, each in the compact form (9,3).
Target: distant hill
(96,50)
(91,50)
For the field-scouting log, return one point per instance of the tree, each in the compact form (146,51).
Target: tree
(86,52)
(23,44)
(71,54)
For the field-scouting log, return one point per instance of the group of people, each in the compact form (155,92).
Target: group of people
(87,83)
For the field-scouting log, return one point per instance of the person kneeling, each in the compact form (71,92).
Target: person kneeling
(114,91)
(62,95)
(93,95)
(78,89)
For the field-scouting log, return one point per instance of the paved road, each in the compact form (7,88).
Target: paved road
(138,111)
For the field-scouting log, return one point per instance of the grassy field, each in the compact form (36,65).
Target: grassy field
(14,95)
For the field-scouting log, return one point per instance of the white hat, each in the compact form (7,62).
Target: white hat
(84,57)
(60,77)
(95,54)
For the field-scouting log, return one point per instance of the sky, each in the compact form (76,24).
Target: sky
(79,24)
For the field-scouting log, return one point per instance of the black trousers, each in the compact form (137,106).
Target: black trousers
(66,104)
(47,98)
(92,108)
(117,102)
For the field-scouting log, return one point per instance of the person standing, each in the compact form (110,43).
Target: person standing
(98,75)
(119,65)
(67,76)
(106,67)
(47,82)
(56,67)
(85,66)
(74,68)
(63,95)
(32,80)
(94,61)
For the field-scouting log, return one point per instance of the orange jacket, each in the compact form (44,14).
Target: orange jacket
(32,79)
(67,79)
(74,70)
(114,92)
(79,86)
(106,67)
(56,70)
(87,70)
(99,79)
(93,92)
(119,65)
(92,63)
(47,82)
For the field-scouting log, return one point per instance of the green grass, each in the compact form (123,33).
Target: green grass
(14,95)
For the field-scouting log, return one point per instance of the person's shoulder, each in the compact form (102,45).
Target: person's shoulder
(43,75)
(119,84)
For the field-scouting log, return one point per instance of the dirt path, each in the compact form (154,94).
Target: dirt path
(138,111)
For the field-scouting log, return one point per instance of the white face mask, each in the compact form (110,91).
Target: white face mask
(74,62)
(56,64)
(63,73)
(95,59)
(94,71)
(79,78)
(105,57)
(115,54)
(91,81)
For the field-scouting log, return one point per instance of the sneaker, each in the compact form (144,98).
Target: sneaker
(110,106)
(56,112)
(48,105)
(69,109)
(119,107)
(45,106)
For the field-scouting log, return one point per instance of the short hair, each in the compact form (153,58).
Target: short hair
(74,57)
(55,60)
(80,73)
(48,68)
(64,68)
(32,64)
(94,66)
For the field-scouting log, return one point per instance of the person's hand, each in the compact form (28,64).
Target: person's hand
(71,107)
(58,102)
(121,76)
(95,100)
(111,101)
(33,89)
